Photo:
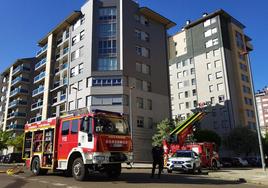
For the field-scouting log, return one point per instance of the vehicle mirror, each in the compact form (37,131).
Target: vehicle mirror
(90,137)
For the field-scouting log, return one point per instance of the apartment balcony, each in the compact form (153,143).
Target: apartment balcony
(18,91)
(16,103)
(40,64)
(20,68)
(35,119)
(39,77)
(38,91)
(62,99)
(61,68)
(19,80)
(42,50)
(15,127)
(36,105)
(60,83)
(65,52)
(16,115)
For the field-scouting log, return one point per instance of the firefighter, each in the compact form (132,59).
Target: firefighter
(158,159)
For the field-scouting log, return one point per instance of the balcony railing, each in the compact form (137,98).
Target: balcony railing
(62,98)
(19,79)
(37,105)
(16,114)
(35,119)
(37,91)
(65,50)
(60,83)
(39,76)
(40,63)
(17,102)
(62,67)
(20,68)
(42,50)
(15,126)
(18,90)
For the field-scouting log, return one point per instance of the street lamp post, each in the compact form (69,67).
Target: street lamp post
(130,112)
(256,112)
(76,103)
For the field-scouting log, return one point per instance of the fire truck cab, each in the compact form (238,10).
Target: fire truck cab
(78,144)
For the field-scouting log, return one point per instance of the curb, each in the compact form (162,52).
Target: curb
(239,179)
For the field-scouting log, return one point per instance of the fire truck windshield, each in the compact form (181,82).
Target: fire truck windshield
(111,125)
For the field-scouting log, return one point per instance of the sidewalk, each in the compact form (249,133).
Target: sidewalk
(249,175)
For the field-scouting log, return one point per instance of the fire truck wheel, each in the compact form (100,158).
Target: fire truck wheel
(79,169)
(36,170)
(113,171)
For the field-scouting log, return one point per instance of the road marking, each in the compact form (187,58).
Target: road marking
(33,179)
(43,181)
(58,184)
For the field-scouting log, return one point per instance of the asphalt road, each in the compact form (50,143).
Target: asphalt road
(129,178)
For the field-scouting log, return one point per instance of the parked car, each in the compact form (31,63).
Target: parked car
(13,158)
(253,161)
(226,161)
(2,157)
(239,162)
(184,160)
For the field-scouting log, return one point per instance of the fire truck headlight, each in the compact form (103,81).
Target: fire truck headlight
(99,158)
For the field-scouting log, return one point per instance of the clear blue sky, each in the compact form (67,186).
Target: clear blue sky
(24,22)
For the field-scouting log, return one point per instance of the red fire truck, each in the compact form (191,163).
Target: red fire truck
(78,144)
(206,150)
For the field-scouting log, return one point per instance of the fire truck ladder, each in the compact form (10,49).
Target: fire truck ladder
(189,121)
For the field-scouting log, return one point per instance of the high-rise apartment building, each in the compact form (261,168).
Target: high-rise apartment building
(110,55)
(208,63)
(262,109)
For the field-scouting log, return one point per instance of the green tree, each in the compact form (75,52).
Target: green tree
(242,140)
(16,142)
(162,131)
(4,137)
(205,135)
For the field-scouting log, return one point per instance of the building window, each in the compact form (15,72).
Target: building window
(107,47)
(80,68)
(187,105)
(139,102)
(217,63)
(219,74)
(246,89)
(107,30)
(192,71)
(75,55)
(243,67)
(99,82)
(75,40)
(193,81)
(208,66)
(239,40)
(241,56)
(140,121)
(180,95)
(71,105)
(88,101)
(210,88)
(149,104)
(210,77)
(195,103)
(221,98)
(107,64)
(180,85)
(73,72)
(79,103)
(186,83)
(181,106)
(185,73)
(220,86)
(215,41)
(71,88)
(209,22)
(194,92)
(212,100)
(244,78)
(82,35)
(106,14)
(79,85)
(184,63)
(179,75)
(141,35)
(216,52)
(101,100)
(142,51)
(186,94)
